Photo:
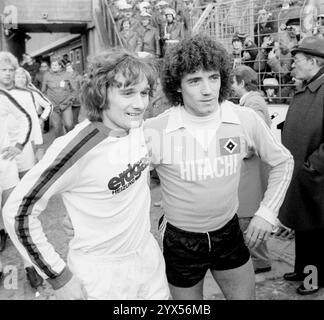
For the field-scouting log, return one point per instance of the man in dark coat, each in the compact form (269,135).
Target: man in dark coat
(303,135)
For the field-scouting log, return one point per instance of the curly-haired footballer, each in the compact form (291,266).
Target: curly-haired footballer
(197,148)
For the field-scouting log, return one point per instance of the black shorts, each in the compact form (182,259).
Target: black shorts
(188,255)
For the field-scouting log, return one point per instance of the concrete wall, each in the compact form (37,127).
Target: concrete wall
(47,11)
(40,40)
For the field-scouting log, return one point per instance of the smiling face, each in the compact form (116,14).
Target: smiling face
(126,104)
(200,92)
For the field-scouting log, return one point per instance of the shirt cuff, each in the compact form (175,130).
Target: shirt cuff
(267,215)
(61,280)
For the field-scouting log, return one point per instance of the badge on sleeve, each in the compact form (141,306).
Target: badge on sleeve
(62,84)
(229,146)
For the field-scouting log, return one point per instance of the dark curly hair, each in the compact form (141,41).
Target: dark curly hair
(196,53)
(103,69)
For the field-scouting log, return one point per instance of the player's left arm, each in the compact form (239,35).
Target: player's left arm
(271,151)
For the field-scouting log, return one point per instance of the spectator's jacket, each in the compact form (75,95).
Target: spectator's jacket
(10,106)
(261,31)
(32,69)
(254,172)
(256,102)
(57,86)
(131,40)
(158,21)
(303,135)
(175,30)
(150,40)
(281,66)
(76,81)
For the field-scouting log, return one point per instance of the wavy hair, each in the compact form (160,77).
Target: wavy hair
(7,57)
(103,70)
(190,55)
(24,72)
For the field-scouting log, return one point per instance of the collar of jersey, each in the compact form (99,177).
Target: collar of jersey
(109,132)
(175,121)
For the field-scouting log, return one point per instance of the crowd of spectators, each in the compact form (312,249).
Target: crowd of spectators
(276,32)
(151,27)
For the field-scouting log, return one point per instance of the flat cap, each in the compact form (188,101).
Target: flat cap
(313,46)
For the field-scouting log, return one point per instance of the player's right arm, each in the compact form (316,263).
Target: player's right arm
(52,175)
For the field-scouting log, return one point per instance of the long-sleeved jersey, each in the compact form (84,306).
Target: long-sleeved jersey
(43,105)
(10,106)
(25,98)
(199,184)
(103,183)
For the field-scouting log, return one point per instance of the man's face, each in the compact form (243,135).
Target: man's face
(43,67)
(169,18)
(200,92)
(237,45)
(128,14)
(126,104)
(145,22)
(7,74)
(147,10)
(237,87)
(293,30)
(126,26)
(301,67)
(263,17)
(20,80)
(55,66)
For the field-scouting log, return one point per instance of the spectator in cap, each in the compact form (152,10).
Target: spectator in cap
(158,17)
(254,172)
(270,86)
(173,30)
(237,46)
(303,207)
(290,33)
(129,38)
(149,37)
(145,7)
(279,60)
(264,26)
(320,26)
(249,52)
(184,14)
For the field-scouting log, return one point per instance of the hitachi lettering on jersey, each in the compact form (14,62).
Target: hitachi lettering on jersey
(128,177)
(202,169)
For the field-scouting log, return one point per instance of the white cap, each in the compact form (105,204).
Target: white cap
(143,5)
(162,3)
(125,6)
(170,11)
(270,82)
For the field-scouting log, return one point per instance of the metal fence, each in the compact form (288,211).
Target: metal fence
(260,34)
